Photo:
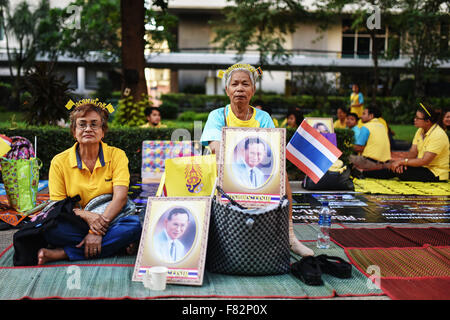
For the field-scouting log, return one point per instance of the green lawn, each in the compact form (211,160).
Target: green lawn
(404,131)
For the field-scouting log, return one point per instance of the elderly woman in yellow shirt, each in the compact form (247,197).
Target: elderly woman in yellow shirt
(91,168)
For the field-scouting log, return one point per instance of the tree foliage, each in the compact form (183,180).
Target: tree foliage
(258,24)
(47,94)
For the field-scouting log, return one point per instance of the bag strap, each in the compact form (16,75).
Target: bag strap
(233,202)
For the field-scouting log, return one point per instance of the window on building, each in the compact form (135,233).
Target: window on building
(358,43)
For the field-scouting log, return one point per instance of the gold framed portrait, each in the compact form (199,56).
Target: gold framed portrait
(252,165)
(175,235)
(323,125)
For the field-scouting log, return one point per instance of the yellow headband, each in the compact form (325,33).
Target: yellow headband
(246,66)
(425,109)
(95,102)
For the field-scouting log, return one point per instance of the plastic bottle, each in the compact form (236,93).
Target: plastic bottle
(323,237)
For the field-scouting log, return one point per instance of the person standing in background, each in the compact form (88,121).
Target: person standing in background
(356,101)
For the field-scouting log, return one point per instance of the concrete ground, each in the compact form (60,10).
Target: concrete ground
(6,237)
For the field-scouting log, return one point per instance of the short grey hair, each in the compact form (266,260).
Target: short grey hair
(250,75)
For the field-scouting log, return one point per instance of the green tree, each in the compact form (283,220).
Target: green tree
(46,97)
(368,16)
(22,23)
(424,37)
(258,24)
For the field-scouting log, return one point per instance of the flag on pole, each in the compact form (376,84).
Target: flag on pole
(5,145)
(311,152)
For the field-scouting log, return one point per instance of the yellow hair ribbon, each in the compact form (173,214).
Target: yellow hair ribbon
(425,109)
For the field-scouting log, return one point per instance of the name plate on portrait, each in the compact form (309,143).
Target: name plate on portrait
(175,235)
(252,165)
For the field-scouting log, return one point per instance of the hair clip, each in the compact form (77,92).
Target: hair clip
(425,109)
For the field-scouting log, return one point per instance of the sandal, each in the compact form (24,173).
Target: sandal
(334,266)
(308,270)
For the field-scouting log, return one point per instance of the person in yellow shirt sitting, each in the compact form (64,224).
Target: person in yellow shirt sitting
(372,144)
(91,168)
(340,123)
(153,116)
(428,158)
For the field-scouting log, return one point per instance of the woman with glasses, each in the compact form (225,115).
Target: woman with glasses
(428,158)
(91,168)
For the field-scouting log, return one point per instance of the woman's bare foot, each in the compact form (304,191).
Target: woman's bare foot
(48,255)
(296,246)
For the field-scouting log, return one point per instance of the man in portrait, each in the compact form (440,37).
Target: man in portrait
(166,242)
(245,169)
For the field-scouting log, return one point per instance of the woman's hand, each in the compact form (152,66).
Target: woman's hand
(97,222)
(92,245)
(396,166)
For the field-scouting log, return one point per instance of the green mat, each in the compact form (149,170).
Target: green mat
(110,278)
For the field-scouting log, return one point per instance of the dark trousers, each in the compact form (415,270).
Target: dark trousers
(119,235)
(410,174)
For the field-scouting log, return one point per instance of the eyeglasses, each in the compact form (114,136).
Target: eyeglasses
(83,126)
(417,118)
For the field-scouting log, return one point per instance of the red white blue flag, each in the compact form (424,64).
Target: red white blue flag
(311,152)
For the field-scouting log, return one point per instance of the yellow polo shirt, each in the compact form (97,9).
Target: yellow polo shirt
(69,176)
(435,141)
(338,125)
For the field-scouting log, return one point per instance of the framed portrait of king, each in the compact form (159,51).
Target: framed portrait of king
(175,235)
(252,165)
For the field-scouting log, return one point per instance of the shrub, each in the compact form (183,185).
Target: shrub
(169,110)
(47,96)
(131,113)
(53,140)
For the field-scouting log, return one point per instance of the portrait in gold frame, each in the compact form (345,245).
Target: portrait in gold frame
(251,165)
(188,267)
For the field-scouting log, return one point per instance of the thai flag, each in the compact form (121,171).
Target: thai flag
(311,152)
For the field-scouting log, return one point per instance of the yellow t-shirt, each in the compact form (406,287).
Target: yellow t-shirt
(377,146)
(233,121)
(338,125)
(435,141)
(355,99)
(69,176)
(147,125)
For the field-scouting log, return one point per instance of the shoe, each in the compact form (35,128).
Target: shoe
(334,266)
(308,271)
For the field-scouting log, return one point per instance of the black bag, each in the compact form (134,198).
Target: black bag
(331,180)
(29,239)
(248,241)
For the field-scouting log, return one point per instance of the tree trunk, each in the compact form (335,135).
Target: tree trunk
(375,67)
(133,46)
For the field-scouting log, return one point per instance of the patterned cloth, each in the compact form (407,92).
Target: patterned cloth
(155,153)
(384,186)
